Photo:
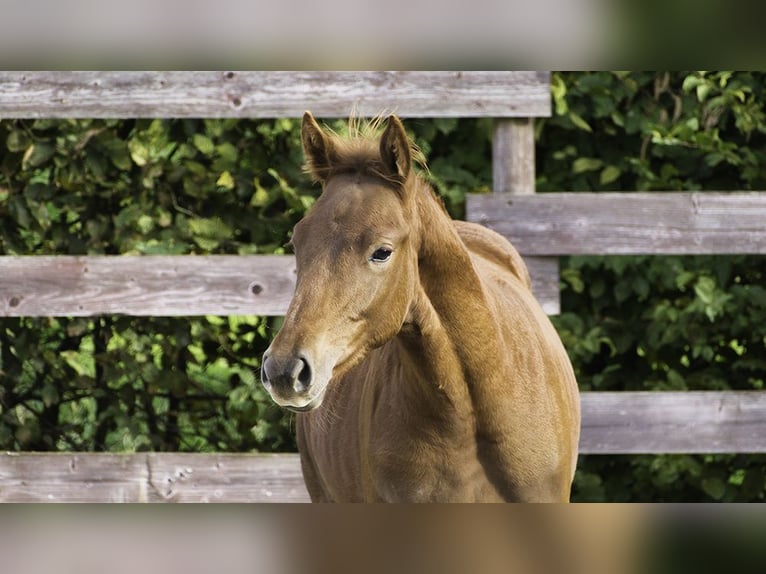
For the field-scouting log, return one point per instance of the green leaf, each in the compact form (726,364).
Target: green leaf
(691,82)
(227,152)
(583,164)
(225,180)
(210,227)
(83,364)
(19,212)
(578,121)
(204,144)
(119,153)
(559,92)
(145,224)
(139,152)
(49,394)
(574,279)
(209,233)
(702,91)
(705,289)
(42,215)
(714,158)
(17,141)
(693,124)
(261,197)
(609,174)
(37,154)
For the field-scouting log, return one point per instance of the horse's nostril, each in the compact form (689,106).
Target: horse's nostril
(302,375)
(285,376)
(264,377)
(264,372)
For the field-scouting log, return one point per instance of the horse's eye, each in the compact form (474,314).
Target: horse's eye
(381,255)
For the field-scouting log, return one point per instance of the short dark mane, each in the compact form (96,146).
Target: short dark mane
(358,152)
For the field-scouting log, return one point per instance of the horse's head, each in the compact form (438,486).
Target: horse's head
(356,262)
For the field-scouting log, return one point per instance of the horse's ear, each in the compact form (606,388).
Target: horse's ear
(317,147)
(395,149)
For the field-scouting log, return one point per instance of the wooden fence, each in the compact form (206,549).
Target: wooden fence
(542,227)
(613,423)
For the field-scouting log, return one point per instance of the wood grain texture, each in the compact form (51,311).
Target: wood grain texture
(660,223)
(272,94)
(673,422)
(165,286)
(150,477)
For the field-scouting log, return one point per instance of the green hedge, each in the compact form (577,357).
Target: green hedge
(234,186)
(186,186)
(661,323)
(171,187)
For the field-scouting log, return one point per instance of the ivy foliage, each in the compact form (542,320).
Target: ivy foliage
(143,187)
(661,323)
(160,187)
(236,186)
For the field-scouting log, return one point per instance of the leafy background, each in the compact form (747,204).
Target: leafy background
(235,186)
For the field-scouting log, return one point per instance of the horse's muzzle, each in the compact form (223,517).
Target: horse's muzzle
(288,380)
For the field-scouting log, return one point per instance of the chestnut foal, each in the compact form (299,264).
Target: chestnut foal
(439,376)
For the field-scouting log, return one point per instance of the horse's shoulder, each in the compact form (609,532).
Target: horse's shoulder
(494,248)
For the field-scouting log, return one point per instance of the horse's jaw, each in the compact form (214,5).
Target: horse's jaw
(300,403)
(310,406)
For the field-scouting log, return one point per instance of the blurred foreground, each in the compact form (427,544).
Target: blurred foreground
(341,34)
(371,539)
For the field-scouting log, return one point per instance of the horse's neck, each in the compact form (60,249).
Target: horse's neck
(455,338)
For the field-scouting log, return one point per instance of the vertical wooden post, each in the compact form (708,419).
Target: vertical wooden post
(513,156)
(513,172)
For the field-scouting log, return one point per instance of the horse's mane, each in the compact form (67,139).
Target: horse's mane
(356,149)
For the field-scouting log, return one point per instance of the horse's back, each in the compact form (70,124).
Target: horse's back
(494,248)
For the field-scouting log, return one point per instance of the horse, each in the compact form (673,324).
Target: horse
(419,363)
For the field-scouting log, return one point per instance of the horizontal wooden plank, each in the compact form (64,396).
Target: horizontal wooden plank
(626,223)
(150,477)
(673,422)
(613,423)
(269,94)
(179,285)
(156,285)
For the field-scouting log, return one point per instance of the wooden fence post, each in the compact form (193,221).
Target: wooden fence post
(513,173)
(513,156)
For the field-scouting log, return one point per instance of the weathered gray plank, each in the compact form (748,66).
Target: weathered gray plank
(626,223)
(613,423)
(150,477)
(673,422)
(272,94)
(178,477)
(179,285)
(182,285)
